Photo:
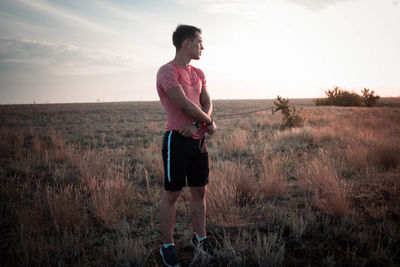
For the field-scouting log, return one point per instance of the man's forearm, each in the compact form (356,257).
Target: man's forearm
(197,114)
(207,108)
(205,102)
(179,99)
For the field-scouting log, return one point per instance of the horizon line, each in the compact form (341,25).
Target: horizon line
(127,101)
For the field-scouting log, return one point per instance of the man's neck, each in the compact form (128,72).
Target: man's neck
(182,60)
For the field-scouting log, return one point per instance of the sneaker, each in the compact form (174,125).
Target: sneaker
(169,256)
(204,246)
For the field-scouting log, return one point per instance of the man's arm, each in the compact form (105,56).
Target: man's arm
(205,101)
(178,97)
(207,107)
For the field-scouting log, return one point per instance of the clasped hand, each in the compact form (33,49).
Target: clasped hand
(211,129)
(189,130)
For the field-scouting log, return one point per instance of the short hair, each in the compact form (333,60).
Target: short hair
(182,33)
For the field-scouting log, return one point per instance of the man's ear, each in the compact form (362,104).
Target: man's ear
(186,43)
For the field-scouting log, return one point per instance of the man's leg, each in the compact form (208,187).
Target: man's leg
(198,209)
(168,212)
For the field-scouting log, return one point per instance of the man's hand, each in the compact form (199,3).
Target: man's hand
(211,128)
(188,130)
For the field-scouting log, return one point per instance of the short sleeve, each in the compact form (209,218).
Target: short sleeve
(167,77)
(202,78)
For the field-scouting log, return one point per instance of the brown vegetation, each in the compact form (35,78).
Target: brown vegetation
(343,97)
(80,185)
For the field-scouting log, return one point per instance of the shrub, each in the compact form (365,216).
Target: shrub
(342,97)
(291,117)
(369,98)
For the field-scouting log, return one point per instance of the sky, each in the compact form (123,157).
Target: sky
(69,51)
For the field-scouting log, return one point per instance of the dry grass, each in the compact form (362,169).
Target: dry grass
(236,143)
(331,193)
(113,200)
(222,198)
(386,154)
(272,183)
(65,208)
(81,183)
(270,250)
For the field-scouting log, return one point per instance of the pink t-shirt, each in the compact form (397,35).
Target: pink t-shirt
(192,81)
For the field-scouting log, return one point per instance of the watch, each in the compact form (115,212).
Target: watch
(197,124)
(209,124)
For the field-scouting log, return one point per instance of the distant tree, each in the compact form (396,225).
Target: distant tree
(291,117)
(342,97)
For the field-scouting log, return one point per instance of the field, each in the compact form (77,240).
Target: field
(81,184)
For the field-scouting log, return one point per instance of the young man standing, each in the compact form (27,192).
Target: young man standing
(183,93)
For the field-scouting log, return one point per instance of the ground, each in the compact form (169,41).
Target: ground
(81,184)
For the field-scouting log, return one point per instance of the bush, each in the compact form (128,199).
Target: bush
(341,97)
(369,98)
(291,117)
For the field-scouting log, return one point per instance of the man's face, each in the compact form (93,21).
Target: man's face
(195,47)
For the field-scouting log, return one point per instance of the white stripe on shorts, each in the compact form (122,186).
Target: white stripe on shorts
(169,157)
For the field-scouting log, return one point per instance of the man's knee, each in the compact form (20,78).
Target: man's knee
(198,193)
(171,196)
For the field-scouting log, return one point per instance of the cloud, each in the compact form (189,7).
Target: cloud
(317,5)
(131,14)
(216,2)
(64,15)
(218,6)
(250,10)
(64,59)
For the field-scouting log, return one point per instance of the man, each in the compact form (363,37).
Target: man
(183,93)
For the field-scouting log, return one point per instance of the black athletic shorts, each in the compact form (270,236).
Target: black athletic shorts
(185,161)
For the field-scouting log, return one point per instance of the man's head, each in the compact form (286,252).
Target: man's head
(189,38)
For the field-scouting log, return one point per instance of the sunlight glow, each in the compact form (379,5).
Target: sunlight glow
(253,49)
